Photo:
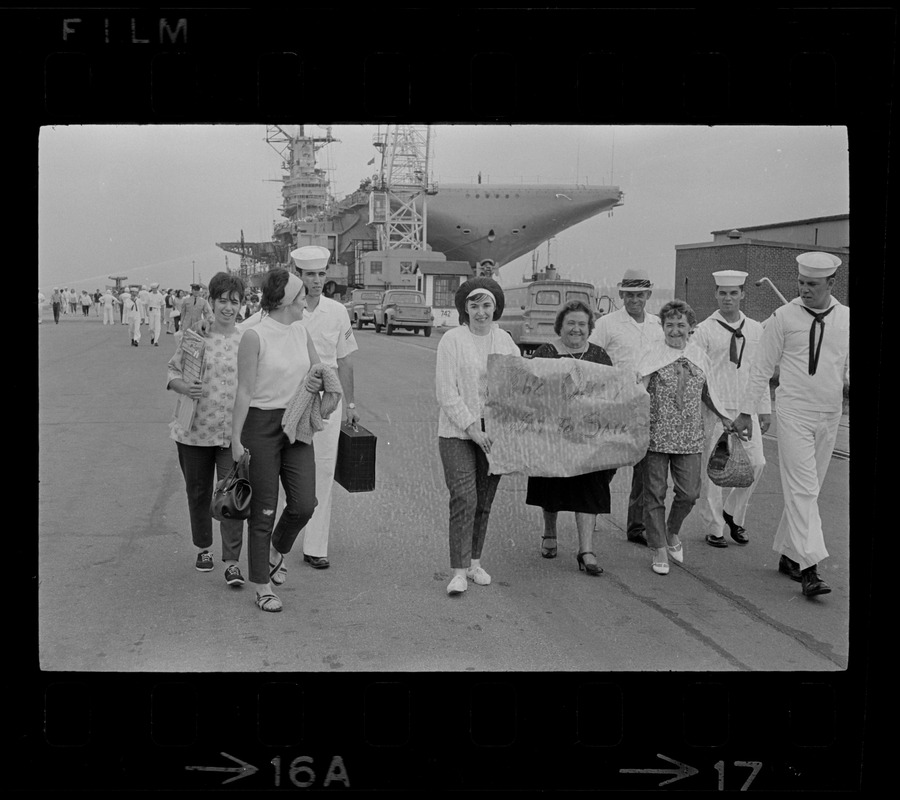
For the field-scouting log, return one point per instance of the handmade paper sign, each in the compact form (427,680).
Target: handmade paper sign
(557,417)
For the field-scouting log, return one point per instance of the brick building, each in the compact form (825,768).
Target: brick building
(762,251)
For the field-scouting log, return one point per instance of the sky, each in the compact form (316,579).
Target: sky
(150,201)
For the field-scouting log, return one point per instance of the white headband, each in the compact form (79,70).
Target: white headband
(293,287)
(481,291)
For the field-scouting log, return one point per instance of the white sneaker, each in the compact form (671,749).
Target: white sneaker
(478,575)
(458,585)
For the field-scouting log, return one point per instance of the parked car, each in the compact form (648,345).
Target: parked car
(531,309)
(403,308)
(360,306)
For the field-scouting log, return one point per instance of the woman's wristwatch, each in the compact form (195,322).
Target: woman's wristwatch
(351,405)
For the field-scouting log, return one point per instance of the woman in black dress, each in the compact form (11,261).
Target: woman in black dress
(587,495)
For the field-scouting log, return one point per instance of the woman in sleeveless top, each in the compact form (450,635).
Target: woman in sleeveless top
(274,358)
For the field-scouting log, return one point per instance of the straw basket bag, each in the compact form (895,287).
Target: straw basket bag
(728,463)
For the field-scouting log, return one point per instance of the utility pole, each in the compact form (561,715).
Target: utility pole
(193,276)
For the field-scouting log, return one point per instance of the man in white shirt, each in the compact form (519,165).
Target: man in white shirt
(124,297)
(41,301)
(809,339)
(142,298)
(626,335)
(328,325)
(154,312)
(730,340)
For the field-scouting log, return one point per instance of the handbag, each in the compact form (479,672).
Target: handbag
(354,468)
(728,464)
(231,499)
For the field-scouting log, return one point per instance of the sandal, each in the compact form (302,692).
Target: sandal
(661,567)
(278,572)
(268,602)
(546,550)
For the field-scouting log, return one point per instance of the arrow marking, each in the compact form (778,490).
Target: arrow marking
(243,770)
(683,771)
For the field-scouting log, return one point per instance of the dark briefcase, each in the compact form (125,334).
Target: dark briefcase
(355,467)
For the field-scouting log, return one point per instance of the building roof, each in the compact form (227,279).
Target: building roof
(763,242)
(809,221)
(444,268)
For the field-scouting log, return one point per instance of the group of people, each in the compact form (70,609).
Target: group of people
(702,377)
(274,360)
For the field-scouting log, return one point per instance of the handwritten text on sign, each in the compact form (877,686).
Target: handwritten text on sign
(557,417)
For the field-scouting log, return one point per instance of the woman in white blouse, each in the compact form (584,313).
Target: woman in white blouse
(206,447)
(461,384)
(274,358)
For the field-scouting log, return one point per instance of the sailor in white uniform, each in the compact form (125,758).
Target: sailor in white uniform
(730,340)
(328,325)
(132,313)
(154,312)
(809,339)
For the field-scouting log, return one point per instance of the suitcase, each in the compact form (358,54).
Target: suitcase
(355,467)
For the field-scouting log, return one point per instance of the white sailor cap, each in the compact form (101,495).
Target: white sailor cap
(817,265)
(730,277)
(154,285)
(311,257)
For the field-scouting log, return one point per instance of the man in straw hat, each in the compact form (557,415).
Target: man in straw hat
(809,339)
(328,325)
(730,340)
(626,334)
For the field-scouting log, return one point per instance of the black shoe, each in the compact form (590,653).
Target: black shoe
(789,567)
(548,551)
(737,532)
(316,562)
(233,576)
(204,561)
(811,582)
(716,541)
(590,569)
(637,538)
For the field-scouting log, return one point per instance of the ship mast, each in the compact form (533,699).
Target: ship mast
(402,179)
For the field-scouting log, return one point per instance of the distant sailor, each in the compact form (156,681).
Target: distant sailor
(109,307)
(142,298)
(730,340)
(124,296)
(154,311)
(626,335)
(132,313)
(809,339)
(41,301)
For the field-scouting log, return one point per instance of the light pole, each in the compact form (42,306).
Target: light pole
(193,276)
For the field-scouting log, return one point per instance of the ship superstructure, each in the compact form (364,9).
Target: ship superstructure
(486,225)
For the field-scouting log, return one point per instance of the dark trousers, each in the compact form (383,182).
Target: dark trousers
(176,320)
(685,469)
(273,457)
(471,495)
(56,308)
(199,466)
(636,525)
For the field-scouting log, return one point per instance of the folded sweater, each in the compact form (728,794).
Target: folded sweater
(307,411)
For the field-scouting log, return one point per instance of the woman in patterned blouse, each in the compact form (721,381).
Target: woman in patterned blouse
(674,373)
(206,447)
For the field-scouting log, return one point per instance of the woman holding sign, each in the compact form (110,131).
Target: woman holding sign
(205,447)
(461,387)
(587,495)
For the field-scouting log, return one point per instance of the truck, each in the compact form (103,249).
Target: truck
(531,309)
(360,306)
(403,308)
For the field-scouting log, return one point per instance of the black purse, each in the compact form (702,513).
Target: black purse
(231,499)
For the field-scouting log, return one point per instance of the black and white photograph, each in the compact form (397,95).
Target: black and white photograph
(443,398)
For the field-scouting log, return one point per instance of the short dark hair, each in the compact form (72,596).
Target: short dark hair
(571,307)
(273,288)
(470,286)
(677,308)
(224,284)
